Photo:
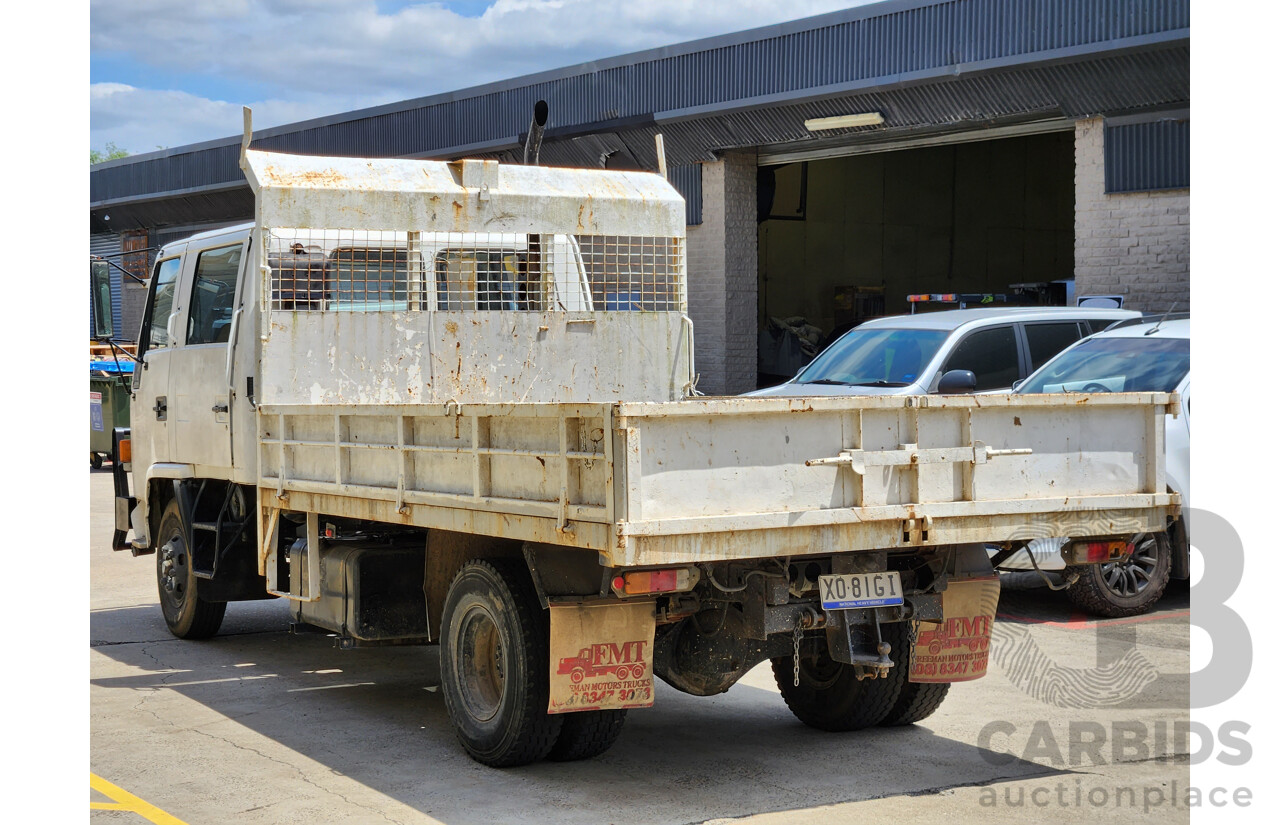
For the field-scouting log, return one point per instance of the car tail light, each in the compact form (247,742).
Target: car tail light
(637,582)
(1096,552)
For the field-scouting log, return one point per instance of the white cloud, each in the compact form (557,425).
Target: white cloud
(142,120)
(312,58)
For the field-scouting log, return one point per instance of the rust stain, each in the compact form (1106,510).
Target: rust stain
(326,177)
(451,327)
(1017,422)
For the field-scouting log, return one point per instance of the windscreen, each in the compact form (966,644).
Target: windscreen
(875,357)
(1115,365)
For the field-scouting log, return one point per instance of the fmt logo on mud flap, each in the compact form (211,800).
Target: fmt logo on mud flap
(958,631)
(625,661)
(956,649)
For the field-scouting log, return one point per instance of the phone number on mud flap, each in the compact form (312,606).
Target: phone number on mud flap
(947,668)
(590,695)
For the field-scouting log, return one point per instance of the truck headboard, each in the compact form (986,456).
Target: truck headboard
(404,281)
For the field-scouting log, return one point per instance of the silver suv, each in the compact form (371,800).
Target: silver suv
(953,351)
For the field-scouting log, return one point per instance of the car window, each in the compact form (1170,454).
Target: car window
(876,356)
(1047,340)
(1124,364)
(213,293)
(992,356)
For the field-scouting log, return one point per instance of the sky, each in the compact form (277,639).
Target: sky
(165,74)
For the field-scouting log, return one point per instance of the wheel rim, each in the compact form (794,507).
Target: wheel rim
(481,663)
(1129,578)
(819,672)
(173,571)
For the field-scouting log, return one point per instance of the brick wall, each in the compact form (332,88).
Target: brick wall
(722,273)
(1135,244)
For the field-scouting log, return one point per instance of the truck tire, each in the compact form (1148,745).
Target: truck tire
(586,734)
(1125,588)
(187,615)
(493,665)
(830,697)
(916,701)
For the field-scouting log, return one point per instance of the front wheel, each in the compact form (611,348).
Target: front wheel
(493,665)
(187,615)
(1125,588)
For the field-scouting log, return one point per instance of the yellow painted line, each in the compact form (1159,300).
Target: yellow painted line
(125,801)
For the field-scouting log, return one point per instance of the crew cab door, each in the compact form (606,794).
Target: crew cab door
(199,388)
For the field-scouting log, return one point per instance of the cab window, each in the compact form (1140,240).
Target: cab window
(213,295)
(484,279)
(992,356)
(155,331)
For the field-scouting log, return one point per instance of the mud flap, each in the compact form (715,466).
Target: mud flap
(957,649)
(601,656)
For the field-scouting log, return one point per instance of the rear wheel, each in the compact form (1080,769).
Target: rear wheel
(1125,588)
(830,697)
(187,615)
(586,734)
(493,665)
(917,701)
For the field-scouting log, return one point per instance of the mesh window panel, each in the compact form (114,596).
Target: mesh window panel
(330,270)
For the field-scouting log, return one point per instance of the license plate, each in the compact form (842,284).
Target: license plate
(853,590)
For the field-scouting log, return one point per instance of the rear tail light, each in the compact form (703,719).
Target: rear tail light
(638,582)
(1096,552)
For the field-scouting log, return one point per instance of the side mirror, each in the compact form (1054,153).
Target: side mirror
(957,382)
(100,298)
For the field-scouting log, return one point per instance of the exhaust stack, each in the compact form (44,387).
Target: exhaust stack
(533,142)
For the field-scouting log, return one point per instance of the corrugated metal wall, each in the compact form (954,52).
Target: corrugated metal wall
(1143,157)
(688,182)
(108,244)
(886,43)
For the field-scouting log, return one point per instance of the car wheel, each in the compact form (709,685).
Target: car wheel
(1124,588)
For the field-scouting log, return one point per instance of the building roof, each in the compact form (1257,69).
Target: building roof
(923,64)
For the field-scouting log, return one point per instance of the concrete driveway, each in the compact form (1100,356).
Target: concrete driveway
(261,726)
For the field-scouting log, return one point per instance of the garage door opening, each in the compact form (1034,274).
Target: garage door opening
(846,239)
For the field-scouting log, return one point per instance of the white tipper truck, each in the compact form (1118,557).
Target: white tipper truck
(454,404)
